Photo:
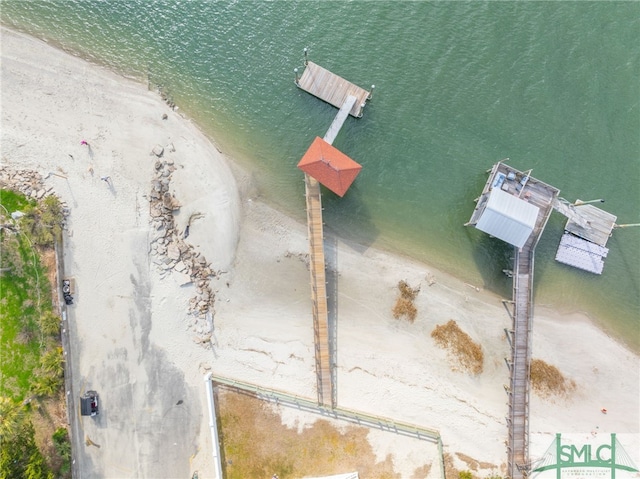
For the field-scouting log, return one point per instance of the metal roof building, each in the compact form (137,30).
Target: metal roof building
(508,218)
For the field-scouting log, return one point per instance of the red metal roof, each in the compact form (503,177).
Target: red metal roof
(329,166)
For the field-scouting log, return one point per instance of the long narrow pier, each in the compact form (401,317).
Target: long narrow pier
(350,99)
(518,419)
(544,197)
(325,373)
(319,291)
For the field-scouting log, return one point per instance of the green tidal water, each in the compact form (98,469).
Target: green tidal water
(555,86)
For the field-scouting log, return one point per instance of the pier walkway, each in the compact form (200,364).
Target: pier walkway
(350,99)
(535,193)
(518,419)
(324,371)
(324,349)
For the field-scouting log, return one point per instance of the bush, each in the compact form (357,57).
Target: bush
(50,324)
(49,376)
(62,445)
(20,457)
(42,222)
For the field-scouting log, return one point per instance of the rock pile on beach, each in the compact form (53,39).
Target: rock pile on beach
(172,255)
(28,182)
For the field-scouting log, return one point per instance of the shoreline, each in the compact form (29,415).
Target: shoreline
(619,333)
(262,328)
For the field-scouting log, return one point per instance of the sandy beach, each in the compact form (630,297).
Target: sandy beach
(135,341)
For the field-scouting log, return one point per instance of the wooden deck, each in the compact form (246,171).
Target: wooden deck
(332,88)
(599,224)
(319,292)
(518,418)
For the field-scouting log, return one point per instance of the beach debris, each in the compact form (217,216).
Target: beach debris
(405,306)
(464,352)
(89,442)
(547,380)
(164,116)
(173,256)
(158,150)
(170,201)
(477,288)
(31,184)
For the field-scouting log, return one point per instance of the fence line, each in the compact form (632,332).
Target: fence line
(349,415)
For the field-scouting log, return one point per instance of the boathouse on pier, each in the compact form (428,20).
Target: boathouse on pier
(324,164)
(515,207)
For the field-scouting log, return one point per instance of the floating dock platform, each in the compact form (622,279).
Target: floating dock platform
(332,88)
(586,233)
(599,224)
(581,254)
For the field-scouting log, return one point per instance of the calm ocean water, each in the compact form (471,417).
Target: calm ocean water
(555,86)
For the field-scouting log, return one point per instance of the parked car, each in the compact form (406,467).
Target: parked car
(89,404)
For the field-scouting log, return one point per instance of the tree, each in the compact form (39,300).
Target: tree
(20,457)
(43,221)
(11,418)
(51,362)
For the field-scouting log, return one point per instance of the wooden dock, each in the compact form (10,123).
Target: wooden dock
(544,197)
(350,99)
(599,224)
(319,292)
(332,88)
(518,418)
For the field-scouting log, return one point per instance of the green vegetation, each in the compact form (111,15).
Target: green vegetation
(32,361)
(62,445)
(20,457)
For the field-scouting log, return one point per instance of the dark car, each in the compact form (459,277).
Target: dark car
(89,404)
